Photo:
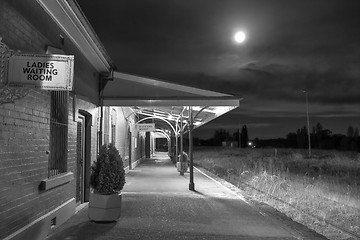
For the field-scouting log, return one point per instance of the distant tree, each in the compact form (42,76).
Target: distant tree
(236,137)
(350,132)
(317,135)
(356,132)
(291,141)
(353,144)
(358,143)
(301,137)
(345,142)
(321,138)
(256,142)
(220,136)
(318,128)
(324,139)
(336,140)
(244,137)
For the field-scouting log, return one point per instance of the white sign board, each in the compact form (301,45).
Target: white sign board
(146,127)
(49,72)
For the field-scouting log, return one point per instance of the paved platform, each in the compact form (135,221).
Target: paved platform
(157,204)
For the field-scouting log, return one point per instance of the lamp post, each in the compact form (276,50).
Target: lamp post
(308,121)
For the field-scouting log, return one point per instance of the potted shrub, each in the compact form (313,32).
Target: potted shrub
(183,166)
(107,179)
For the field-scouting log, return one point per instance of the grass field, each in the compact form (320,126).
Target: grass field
(313,191)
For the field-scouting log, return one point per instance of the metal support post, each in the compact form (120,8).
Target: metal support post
(181,144)
(176,142)
(100,133)
(191,184)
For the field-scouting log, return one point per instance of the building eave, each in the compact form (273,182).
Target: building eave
(69,17)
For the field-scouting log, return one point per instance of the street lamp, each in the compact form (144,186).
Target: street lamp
(308,121)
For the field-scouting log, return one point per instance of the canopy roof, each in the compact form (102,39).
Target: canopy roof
(164,102)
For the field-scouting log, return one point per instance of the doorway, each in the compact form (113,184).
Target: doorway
(83,157)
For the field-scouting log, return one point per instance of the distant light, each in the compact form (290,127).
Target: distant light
(240,37)
(251,145)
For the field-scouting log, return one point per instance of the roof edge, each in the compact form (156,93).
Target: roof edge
(172,101)
(72,21)
(168,85)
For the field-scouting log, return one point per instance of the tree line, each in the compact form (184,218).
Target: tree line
(222,135)
(320,138)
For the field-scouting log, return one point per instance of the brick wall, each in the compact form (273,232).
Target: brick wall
(18,33)
(24,138)
(24,133)
(25,124)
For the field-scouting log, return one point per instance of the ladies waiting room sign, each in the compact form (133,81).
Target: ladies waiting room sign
(49,72)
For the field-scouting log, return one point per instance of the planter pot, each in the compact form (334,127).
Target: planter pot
(104,208)
(182,166)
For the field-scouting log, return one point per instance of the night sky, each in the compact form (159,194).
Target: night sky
(291,45)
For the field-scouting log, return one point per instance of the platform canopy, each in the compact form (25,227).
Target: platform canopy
(154,99)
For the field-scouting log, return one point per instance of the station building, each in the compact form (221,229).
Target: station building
(50,137)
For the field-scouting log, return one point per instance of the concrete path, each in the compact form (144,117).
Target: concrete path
(158,205)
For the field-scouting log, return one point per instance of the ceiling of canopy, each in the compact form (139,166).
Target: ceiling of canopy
(172,114)
(165,103)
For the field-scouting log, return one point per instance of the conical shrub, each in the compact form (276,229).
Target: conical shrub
(108,175)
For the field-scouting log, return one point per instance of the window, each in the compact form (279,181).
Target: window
(58,133)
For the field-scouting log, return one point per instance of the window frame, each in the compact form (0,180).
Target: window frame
(59,125)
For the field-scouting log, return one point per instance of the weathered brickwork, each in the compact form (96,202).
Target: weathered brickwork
(18,33)
(24,133)
(24,138)
(25,125)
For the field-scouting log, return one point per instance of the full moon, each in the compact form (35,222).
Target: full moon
(239,37)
